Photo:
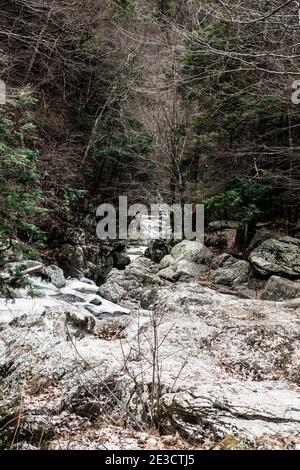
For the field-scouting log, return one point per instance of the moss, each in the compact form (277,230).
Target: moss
(231,443)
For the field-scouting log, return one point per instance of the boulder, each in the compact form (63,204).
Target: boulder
(113,289)
(187,269)
(293,304)
(166,262)
(79,320)
(56,275)
(157,250)
(127,287)
(244,292)
(91,261)
(121,260)
(101,312)
(72,260)
(144,271)
(261,236)
(188,259)
(279,257)
(168,274)
(192,251)
(183,270)
(99,262)
(233,271)
(280,288)
(96,300)
(219,260)
(70,298)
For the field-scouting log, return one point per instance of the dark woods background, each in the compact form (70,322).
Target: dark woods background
(167,101)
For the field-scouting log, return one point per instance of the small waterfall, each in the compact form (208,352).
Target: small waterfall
(150,227)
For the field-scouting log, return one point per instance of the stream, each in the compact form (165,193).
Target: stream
(82,293)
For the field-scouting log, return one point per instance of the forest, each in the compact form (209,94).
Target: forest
(149,343)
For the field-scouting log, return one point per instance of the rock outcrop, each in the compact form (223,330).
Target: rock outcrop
(56,275)
(280,257)
(191,251)
(232,271)
(187,260)
(90,261)
(280,288)
(226,366)
(183,270)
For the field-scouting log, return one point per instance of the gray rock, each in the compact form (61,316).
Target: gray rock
(91,261)
(279,288)
(79,320)
(279,257)
(293,304)
(99,263)
(121,260)
(232,271)
(96,301)
(157,250)
(126,288)
(113,289)
(244,292)
(166,262)
(144,271)
(188,252)
(192,251)
(183,270)
(70,298)
(168,274)
(72,261)
(218,261)
(189,270)
(56,276)
(261,236)
(101,313)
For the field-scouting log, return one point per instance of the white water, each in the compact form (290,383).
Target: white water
(151,227)
(79,293)
(76,292)
(135,252)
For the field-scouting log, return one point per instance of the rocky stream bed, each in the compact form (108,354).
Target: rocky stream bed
(152,359)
